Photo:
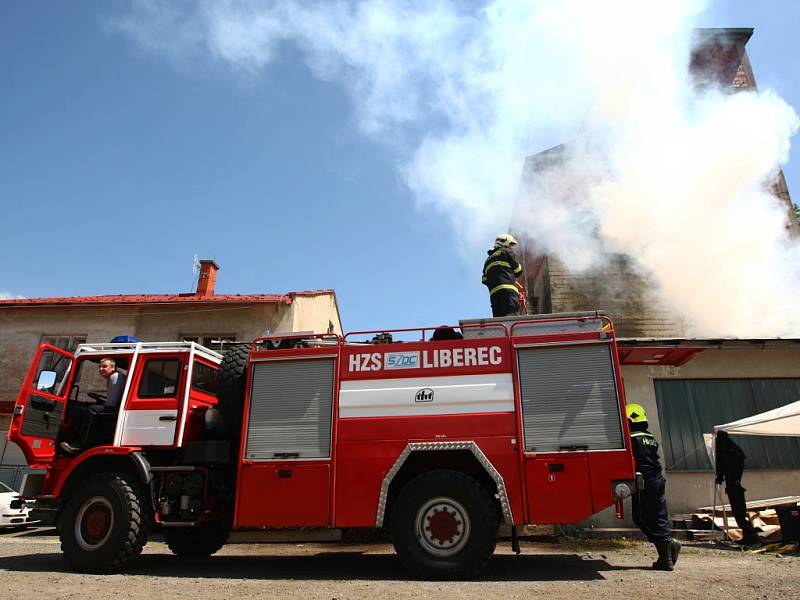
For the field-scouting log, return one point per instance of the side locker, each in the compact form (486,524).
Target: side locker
(286,462)
(570,413)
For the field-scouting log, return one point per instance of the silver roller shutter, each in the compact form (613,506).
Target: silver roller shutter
(569,398)
(290,410)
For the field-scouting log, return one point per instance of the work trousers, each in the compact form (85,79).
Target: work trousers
(505,303)
(735,493)
(650,511)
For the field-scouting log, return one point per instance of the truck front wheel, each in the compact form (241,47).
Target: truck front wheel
(104,523)
(444,525)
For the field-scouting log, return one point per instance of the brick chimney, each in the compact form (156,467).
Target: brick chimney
(207,279)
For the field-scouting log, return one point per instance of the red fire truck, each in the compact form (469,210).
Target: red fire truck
(443,438)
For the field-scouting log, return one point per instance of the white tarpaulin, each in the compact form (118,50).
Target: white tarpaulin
(784,420)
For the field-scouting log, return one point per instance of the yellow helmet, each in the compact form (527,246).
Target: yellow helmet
(505,240)
(635,413)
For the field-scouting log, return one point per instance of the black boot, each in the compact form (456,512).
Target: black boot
(664,562)
(675,549)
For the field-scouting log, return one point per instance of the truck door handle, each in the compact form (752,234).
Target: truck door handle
(286,455)
(556,467)
(168,418)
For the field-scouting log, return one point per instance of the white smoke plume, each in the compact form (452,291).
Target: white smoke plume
(673,178)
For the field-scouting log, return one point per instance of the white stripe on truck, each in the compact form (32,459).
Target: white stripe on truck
(462,394)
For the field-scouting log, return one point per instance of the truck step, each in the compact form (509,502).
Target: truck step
(284,535)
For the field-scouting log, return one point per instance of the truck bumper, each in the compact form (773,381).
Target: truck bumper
(43,510)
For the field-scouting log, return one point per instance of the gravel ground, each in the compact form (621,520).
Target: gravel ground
(31,567)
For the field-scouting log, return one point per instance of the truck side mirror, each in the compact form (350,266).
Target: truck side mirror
(47,380)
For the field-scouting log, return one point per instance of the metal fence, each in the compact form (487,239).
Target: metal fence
(12,475)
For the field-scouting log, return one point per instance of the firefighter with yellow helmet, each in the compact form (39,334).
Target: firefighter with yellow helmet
(500,273)
(650,504)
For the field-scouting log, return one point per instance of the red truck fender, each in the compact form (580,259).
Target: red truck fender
(472,447)
(87,462)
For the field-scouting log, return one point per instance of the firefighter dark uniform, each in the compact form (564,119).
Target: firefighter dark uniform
(650,504)
(500,273)
(730,466)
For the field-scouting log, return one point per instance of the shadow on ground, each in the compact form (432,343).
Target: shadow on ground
(329,566)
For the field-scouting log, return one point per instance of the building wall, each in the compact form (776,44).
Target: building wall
(615,288)
(315,312)
(687,491)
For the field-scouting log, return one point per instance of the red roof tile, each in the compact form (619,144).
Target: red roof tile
(150,299)
(187,298)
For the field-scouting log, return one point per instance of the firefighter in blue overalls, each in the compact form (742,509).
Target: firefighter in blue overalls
(650,504)
(500,273)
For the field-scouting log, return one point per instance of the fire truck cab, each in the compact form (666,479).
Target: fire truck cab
(441,438)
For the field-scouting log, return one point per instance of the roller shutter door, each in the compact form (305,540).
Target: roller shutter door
(569,399)
(290,410)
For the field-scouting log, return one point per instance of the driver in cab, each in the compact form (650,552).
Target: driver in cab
(115,385)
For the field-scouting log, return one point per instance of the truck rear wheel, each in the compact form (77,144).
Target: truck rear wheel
(232,373)
(444,525)
(197,542)
(104,524)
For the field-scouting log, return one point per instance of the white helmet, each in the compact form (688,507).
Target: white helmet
(505,240)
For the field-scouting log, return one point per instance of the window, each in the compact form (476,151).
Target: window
(65,342)
(52,372)
(688,408)
(209,340)
(160,378)
(204,378)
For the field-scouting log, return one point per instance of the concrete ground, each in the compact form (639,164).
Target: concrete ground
(31,567)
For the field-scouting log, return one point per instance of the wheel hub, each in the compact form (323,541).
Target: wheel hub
(443,526)
(94,523)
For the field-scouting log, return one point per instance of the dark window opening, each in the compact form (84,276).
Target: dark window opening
(160,378)
(204,378)
(65,342)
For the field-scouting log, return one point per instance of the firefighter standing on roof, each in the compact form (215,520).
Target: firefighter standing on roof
(500,273)
(650,504)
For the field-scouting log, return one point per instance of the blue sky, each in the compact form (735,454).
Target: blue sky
(118,164)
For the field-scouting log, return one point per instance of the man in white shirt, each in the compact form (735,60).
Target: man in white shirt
(115,385)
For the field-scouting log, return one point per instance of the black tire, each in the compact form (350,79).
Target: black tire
(104,523)
(232,381)
(464,519)
(197,542)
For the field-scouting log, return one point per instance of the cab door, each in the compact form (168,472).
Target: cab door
(153,402)
(40,405)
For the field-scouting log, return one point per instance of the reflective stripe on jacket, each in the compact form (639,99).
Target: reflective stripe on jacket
(500,271)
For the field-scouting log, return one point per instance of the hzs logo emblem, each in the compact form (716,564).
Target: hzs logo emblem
(424,395)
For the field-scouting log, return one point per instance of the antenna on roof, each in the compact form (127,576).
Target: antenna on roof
(195,270)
